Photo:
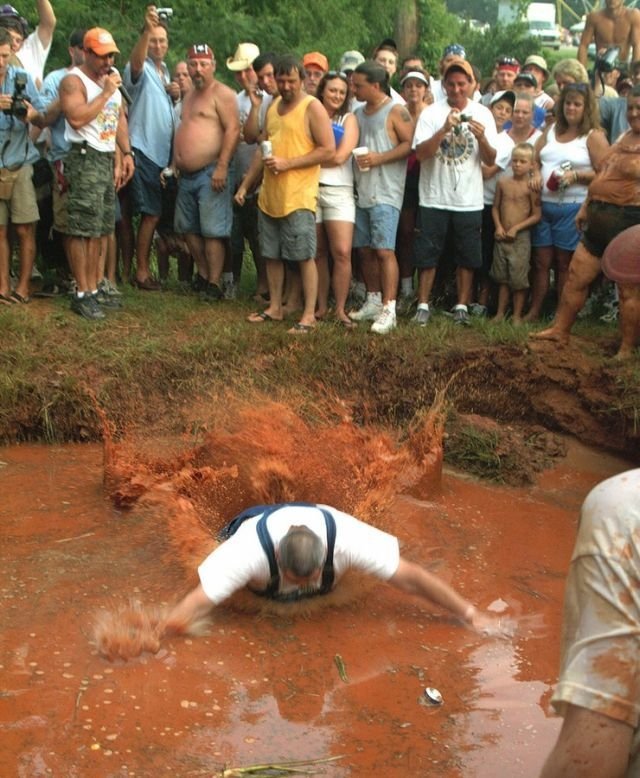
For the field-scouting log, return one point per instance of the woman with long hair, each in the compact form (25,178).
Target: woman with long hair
(336,209)
(612,207)
(568,155)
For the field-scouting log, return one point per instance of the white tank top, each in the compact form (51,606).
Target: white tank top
(553,154)
(342,175)
(100,133)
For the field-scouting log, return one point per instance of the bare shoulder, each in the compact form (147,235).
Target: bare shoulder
(400,112)
(71,83)
(223,93)
(315,108)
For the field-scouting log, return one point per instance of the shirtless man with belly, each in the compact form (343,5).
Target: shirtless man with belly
(203,150)
(614,25)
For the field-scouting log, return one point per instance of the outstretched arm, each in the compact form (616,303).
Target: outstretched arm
(46,22)
(413,579)
(191,610)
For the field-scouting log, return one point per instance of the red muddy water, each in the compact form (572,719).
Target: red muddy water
(265,687)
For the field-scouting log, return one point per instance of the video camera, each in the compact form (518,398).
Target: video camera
(608,61)
(18,106)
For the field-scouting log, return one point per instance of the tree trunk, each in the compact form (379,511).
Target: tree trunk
(406,32)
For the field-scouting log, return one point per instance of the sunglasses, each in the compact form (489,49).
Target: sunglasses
(584,88)
(336,74)
(508,61)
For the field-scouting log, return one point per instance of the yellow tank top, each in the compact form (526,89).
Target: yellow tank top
(296,189)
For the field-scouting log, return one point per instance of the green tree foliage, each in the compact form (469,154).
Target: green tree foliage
(333,27)
(500,40)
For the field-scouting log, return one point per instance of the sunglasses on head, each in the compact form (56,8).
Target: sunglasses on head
(584,88)
(508,61)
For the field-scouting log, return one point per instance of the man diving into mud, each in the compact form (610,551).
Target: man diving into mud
(293,551)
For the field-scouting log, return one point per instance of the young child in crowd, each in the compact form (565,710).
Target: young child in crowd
(515,209)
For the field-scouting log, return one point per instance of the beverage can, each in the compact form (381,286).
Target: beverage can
(266,148)
(555,180)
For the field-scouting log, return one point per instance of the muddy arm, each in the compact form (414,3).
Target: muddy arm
(188,613)
(590,745)
(413,579)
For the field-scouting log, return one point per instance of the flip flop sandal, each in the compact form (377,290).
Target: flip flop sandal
(18,298)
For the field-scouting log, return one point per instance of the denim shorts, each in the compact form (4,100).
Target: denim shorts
(146,190)
(434,225)
(376,227)
(558,226)
(291,237)
(199,209)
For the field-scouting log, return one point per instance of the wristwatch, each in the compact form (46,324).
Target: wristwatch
(129,153)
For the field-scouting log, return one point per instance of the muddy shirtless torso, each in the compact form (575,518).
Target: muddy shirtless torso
(206,115)
(615,25)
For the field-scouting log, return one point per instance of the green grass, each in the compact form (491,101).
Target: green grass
(167,357)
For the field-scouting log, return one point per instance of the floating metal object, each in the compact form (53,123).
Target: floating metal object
(433,696)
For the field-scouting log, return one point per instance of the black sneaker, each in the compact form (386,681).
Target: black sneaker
(212,294)
(107,301)
(87,307)
(199,283)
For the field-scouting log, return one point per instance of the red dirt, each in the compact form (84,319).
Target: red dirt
(265,688)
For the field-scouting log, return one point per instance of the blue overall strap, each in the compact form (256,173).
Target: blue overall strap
(233,526)
(328,574)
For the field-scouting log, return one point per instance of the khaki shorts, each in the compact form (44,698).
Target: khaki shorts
(22,208)
(511,262)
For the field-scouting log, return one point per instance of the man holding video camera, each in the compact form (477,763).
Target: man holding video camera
(452,138)
(19,104)
(614,26)
(151,126)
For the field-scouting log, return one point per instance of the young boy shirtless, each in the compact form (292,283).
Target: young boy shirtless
(515,209)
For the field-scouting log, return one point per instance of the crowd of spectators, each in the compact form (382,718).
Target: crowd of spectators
(356,202)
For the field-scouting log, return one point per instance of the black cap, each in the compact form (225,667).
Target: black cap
(76,39)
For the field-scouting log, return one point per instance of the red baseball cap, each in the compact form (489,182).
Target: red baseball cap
(200,51)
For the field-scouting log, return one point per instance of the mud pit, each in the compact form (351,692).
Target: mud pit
(260,687)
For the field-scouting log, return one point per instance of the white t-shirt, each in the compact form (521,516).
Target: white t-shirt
(599,667)
(452,179)
(33,56)
(241,561)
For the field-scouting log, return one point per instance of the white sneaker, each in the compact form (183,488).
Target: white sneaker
(229,290)
(385,322)
(370,311)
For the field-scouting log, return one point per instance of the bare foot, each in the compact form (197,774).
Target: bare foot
(517,321)
(550,334)
(498,318)
(623,354)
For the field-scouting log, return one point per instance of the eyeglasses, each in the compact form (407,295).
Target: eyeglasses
(508,61)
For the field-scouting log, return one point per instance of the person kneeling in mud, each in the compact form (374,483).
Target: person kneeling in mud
(293,551)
